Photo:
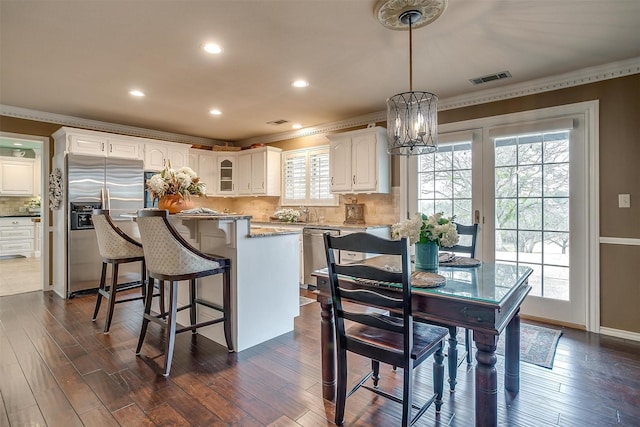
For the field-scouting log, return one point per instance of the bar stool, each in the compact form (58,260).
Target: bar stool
(116,248)
(169,257)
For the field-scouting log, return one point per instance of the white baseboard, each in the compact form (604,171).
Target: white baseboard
(627,335)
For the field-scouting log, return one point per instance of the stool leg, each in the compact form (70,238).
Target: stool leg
(112,296)
(143,280)
(171,327)
(161,302)
(192,303)
(226,305)
(145,316)
(103,279)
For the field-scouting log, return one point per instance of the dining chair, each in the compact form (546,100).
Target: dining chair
(169,257)
(397,341)
(116,248)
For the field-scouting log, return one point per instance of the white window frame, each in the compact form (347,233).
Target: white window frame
(307,153)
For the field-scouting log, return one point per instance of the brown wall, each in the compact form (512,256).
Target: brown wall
(619,153)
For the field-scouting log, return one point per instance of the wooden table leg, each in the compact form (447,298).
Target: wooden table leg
(512,355)
(328,350)
(452,358)
(486,380)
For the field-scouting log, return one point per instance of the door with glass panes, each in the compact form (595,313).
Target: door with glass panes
(525,184)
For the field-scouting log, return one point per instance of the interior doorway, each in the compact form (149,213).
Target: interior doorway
(24,213)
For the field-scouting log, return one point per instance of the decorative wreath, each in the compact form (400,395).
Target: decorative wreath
(55,189)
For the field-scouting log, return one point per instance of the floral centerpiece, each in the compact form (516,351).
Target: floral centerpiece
(173,188)
(429,233)
(287,215)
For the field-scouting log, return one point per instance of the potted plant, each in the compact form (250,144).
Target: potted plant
(173,188)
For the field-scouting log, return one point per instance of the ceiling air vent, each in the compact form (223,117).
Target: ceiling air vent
(278,122)
(490,77)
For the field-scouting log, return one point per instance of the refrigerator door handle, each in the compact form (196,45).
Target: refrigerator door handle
(103,199)
(108,200)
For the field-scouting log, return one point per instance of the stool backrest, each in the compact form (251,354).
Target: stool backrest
(113,243)
(166,252)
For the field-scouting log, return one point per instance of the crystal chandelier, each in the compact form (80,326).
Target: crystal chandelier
(412,117)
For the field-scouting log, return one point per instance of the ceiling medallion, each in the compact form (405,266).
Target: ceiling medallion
(388,12)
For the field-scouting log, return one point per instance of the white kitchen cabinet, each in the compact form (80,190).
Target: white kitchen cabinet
(226,174)
(101,144)
(259,171)
(17,176)
(206,170)
(17,236)
(358,161)
(159,155)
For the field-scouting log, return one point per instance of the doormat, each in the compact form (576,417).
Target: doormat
(305,301)
(537,344)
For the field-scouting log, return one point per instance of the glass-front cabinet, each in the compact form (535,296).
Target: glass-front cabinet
(226,175)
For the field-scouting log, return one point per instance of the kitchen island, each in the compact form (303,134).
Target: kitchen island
(264,276)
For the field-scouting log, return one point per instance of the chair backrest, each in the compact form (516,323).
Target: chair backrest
(113,243)
(167,253)
(466,230)
(366,296)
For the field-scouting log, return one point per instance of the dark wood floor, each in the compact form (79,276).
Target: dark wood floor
(58,369)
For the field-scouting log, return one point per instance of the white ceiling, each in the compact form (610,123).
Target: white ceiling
(80,58)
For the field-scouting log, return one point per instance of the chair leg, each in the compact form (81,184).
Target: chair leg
(112,296)
(341,386)
(103,279)
(171,326)
(438,376)
(145,316)
(467,342)
(375,367)
(192,304)
(226,305)
(407,395)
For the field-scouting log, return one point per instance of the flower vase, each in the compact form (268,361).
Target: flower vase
(174,203)
(427,256)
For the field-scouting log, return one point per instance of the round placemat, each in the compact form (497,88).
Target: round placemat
(424,279)
(459,261)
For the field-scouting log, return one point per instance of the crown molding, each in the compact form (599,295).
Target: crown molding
(561,81)
(41,116)
(547,84)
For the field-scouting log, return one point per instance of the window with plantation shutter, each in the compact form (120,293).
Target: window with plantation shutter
(306,178)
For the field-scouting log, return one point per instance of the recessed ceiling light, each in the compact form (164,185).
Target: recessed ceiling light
(296,126)
(215,112)
(138,93)
(299,83)
(212,48)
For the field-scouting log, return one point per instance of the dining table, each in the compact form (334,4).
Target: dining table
(485,298)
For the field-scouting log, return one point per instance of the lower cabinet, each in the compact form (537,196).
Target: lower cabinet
(17,237)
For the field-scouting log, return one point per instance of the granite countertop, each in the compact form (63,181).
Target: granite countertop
(21,215)
(211,216)
(324,225)
(265,232)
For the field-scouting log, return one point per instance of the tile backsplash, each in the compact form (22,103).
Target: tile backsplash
(12,205)
(378,208)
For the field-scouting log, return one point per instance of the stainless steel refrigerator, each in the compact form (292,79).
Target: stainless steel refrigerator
(99,182)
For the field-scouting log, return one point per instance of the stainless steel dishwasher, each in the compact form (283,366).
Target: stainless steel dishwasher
(313,250)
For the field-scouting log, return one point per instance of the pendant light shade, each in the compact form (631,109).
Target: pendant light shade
(412,117)
(412,123)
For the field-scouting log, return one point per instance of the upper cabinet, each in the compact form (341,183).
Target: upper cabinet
(157,155)
(80,141)
(259,171)
(226,171)
(17,176)
(359,162)
(203,162)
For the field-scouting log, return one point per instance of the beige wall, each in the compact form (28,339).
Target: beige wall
(619,173)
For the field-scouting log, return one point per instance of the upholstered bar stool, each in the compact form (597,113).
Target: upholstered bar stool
(171,258)
(116,248)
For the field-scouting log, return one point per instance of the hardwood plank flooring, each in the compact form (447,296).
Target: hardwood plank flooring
(57,368)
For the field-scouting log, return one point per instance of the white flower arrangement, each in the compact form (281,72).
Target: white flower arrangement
(183,182)
(288,215)
(422,229)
